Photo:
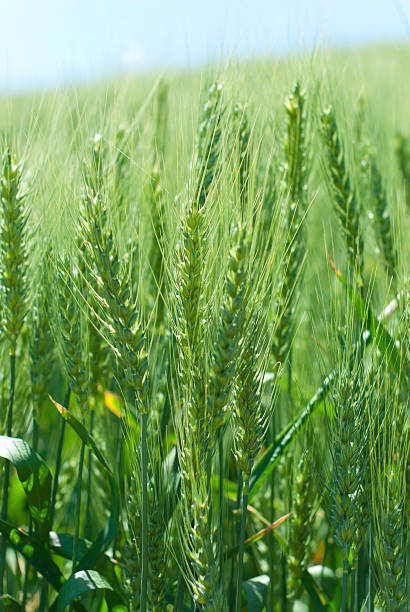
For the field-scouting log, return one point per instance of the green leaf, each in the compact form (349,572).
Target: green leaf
(171,476)
(10,604)
(78,584)
(107,534)
(35,477)
(316,595)
(32,549)
(255,592)
(62,544)
(82,432)
(274,452)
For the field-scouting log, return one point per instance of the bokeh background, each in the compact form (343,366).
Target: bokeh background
(49,43)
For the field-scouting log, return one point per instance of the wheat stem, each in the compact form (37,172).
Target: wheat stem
(58,460)
(221,502)
(6,476)
(87,528)
(344,585)
(144,538)
(245,495)
(77,516)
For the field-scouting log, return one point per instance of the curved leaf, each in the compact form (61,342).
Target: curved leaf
(32,549)
(9,604)
(82,432)
(107,534)
(255,591)
(35,477)
(78,584)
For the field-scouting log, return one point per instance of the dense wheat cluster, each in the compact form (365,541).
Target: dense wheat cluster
(204,334)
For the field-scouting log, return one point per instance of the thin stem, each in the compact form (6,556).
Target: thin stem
(144,543)
(87,529)
(284,589)
(30,529)
(77,513)
(35,433)
(353,580)
(344,588)
(221,503)
(58,460)
(272,516)
(371,578)
(235,536)
(44,587)
(362,575)
(242,546)
(26,575)
(179,597)
(118,464)
(78,508)
(6,480)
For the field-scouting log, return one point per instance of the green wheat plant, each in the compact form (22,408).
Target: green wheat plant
(204,340)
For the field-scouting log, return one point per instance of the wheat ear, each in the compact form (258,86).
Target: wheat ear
(342,191)
(14,294)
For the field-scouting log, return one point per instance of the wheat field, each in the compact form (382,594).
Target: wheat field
(204,298)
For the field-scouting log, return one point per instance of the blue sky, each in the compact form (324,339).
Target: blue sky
(51,42)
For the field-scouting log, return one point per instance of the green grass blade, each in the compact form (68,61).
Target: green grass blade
(83,433)
(282,442)
(107,534)
(34,476)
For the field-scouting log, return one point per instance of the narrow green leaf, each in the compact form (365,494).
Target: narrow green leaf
(171,476)
(107,534)
(315,593)
(282,442)
(34,476)
(62,544)
(82,432)
(78,584)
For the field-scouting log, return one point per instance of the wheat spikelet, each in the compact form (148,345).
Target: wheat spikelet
(380,218)
(240,120)
(342,190)
(13,235)
(301,526)
(72,337)
(228,340)
(294,171)
(112,288)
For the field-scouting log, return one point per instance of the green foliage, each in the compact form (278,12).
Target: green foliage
(240,408)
